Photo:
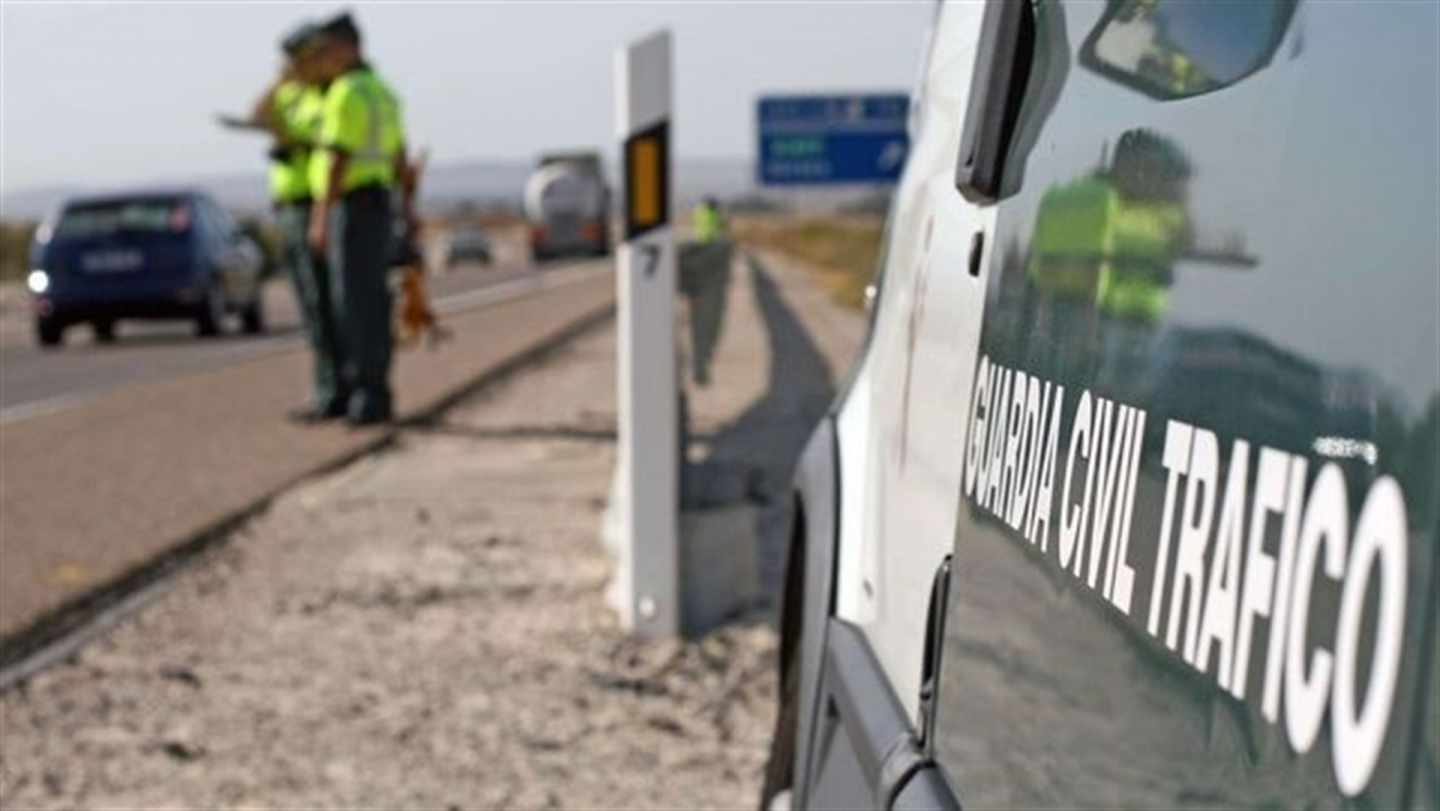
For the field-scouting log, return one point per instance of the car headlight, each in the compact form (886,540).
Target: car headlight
(38,281)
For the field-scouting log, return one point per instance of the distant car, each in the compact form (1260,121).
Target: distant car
(469,245)
(150,255)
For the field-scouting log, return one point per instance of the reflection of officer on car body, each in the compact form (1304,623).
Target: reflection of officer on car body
(1102,256)
(360,161)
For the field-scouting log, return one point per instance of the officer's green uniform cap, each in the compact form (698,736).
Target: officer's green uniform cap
(341,26)
(305,36)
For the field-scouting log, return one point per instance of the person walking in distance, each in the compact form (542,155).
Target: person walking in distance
(706,277)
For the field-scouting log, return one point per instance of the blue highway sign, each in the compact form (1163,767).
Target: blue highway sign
(832,139)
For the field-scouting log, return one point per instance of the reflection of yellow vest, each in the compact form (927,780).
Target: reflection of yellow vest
(1135,284)
(1090,243)
(1072,238)
(297,110)
(1182,73)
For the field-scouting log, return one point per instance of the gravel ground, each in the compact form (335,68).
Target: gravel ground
(425,628)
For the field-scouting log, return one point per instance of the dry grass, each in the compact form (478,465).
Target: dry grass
(843,249)
(488,220)
(15,249)
(16,237)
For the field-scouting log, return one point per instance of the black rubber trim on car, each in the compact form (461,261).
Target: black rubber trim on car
(873,716)
(997,88)
(817,485)
(926,789)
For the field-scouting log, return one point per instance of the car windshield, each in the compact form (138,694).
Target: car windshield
(154,216)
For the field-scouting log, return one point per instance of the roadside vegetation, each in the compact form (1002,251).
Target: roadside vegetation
(267,236)
(15,239)
(842,248)
(16,236)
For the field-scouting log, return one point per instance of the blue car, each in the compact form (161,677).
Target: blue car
(150,255)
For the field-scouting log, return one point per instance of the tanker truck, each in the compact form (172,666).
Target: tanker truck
(567,206)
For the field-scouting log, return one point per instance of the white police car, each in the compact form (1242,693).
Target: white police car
(1132,499)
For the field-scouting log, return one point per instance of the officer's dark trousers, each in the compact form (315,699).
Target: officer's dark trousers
(317,310)
(360,233)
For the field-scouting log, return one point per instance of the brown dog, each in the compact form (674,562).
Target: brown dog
(414,317)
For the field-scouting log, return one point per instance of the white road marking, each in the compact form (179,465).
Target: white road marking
(39,408)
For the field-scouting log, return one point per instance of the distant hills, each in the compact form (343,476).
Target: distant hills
(477,182)
(445,185)
(489,182)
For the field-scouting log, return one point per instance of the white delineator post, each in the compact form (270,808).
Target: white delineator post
(646,495)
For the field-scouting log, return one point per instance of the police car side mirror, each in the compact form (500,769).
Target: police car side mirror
(1021,63)
(1001,66)
(1175,49)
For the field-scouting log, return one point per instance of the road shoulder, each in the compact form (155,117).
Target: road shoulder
(97,493)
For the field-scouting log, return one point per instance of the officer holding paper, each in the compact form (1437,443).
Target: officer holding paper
(290,109)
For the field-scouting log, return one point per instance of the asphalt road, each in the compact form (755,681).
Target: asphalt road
(35,380)
(110,456)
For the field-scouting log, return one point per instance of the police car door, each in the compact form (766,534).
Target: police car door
(900,453)
(1194,563)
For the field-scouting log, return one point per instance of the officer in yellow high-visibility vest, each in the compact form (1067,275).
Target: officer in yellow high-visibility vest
(291,109)
(360,161)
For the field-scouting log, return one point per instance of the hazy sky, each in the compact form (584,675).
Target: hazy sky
(106,94)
